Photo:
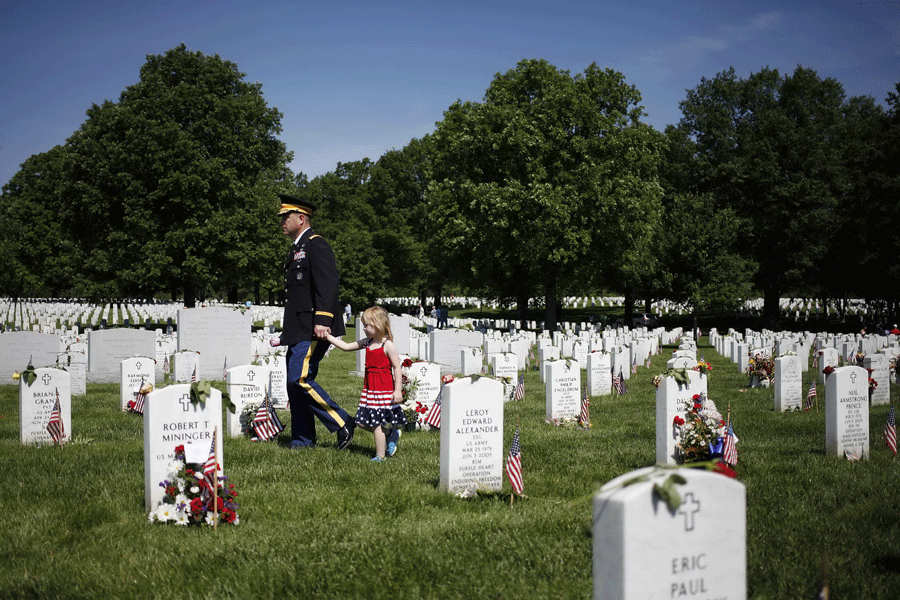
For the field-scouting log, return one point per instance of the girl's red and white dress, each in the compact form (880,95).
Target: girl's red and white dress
(375,406)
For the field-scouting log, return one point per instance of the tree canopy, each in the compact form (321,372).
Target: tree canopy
(550,172)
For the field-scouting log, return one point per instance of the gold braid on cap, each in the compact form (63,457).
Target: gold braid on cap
(286,208)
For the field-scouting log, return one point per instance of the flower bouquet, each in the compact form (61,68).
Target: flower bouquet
(700,428)
(762,368)
(189,498)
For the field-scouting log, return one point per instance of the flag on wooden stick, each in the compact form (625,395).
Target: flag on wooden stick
(585,418)
(266,424)
(433,417)
(810,395)
(55,426)
(520,388)
(514,465)
(890,432)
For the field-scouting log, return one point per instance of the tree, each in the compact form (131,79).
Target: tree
(769,147)
(37,258)
(549,174)
(174,186)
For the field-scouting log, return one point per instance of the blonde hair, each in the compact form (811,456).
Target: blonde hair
(378,318)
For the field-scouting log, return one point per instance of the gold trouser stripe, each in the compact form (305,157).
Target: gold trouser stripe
(312,392)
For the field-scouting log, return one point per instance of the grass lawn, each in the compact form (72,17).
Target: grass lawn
(320,523)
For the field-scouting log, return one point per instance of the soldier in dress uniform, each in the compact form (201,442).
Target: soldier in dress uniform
(311,312)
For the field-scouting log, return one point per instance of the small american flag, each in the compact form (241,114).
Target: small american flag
(647,362)
(730,454)
(166,364)
(194,375)
(890,432)
(139,397)
(433,417)
(55,425)
(225,369)
(619,383)
(810,395)
(514,465)
(520,388)
(585,418)
(211,466)
(266,424)
(634,365)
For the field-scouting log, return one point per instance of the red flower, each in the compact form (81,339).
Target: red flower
(197,506)
(696,397)
(228,516)
(446,378)
(179,449)
(406,363)
(725,469)
(171,490)
(828,370)
(678,420)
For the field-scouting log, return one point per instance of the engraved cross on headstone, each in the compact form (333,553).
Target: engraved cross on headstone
(137,364)
(853,378)
(689,508)
(46,378)
(185,402)
(251,375)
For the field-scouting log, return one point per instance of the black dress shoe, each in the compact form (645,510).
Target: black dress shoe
(345,435)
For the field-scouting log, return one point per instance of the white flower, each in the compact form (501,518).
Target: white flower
(180,483)
(210,519)
(195,489)
(181,518)
(165,513)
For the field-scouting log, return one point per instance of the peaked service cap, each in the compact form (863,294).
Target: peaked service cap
(294,204)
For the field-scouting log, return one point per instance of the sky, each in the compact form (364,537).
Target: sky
(356,79)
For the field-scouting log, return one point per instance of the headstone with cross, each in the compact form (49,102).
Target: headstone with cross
(562,389)
(670,398)
(36,402)
(135,372)
(247,385)
(847,412)
(426,377)
(171,419)
(646,547)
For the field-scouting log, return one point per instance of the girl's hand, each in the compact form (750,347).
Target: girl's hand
(397,398)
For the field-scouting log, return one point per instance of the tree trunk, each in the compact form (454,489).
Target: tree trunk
(551,315)
(522,306)
(190,294)
(232,294)
(629,305)
(256,296)
(771,297)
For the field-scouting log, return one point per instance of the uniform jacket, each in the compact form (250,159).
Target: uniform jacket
(310,290)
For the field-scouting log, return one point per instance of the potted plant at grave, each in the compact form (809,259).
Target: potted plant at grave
(761,370)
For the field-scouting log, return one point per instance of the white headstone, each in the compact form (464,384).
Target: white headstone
(471,435)
(788,383)
(644,549)
(277,365)
(221,335)
(170,420)
(599,374)
(881,372)
(107,348)
(847,412)
(17,347)
(562,388)
(36,402)
(134,372)
(427,378)
(472,360)
(246,384)
(670,396)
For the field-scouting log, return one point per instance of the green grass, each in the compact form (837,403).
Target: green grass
(329,524)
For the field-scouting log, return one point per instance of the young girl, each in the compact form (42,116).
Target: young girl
(379,403)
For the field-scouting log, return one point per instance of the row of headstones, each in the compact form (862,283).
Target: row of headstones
(788,368)
(686,542)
